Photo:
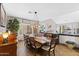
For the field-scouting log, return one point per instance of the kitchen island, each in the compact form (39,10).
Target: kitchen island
(63,38)
(76,35)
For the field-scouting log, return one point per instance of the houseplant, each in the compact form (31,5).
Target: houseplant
(13,25)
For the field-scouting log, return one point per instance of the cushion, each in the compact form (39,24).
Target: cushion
(47,48)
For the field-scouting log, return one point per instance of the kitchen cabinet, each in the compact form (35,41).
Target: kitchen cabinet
(63,38)
(69,28)
(8,49)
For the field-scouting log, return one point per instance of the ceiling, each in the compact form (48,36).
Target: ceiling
(44,10)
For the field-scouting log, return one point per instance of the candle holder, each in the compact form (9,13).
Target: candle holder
(5,37)
(5,40)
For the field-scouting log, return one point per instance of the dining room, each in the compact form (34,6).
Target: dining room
(39,29)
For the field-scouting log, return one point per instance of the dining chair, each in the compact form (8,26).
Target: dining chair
(50,47)
(26,40)
(34,45)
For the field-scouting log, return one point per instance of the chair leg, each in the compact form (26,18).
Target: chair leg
(24,43)
(35,54)
(54,52)
(49,53)
(34,51)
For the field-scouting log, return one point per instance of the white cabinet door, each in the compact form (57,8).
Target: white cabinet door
(63,39)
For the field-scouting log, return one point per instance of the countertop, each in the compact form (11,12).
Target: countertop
(77,35)
(66,34)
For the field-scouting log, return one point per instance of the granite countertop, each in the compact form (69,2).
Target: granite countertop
(68,34)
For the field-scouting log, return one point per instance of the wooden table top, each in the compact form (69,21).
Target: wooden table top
(8,43)
(41,40)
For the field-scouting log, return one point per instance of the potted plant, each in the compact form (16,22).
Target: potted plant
(13,25)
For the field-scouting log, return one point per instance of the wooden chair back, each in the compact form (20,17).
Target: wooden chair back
(32,41)
(26,39)
(53,43)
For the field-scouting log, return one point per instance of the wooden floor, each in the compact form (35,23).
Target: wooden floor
(61,50)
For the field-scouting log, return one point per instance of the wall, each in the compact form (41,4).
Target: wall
(68,18)
(50,25)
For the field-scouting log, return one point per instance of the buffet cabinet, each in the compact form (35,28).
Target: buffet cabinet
(8,49)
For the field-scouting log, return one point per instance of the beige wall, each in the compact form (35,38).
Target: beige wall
(50,25)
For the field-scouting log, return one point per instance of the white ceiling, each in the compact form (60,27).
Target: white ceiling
(45,10)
